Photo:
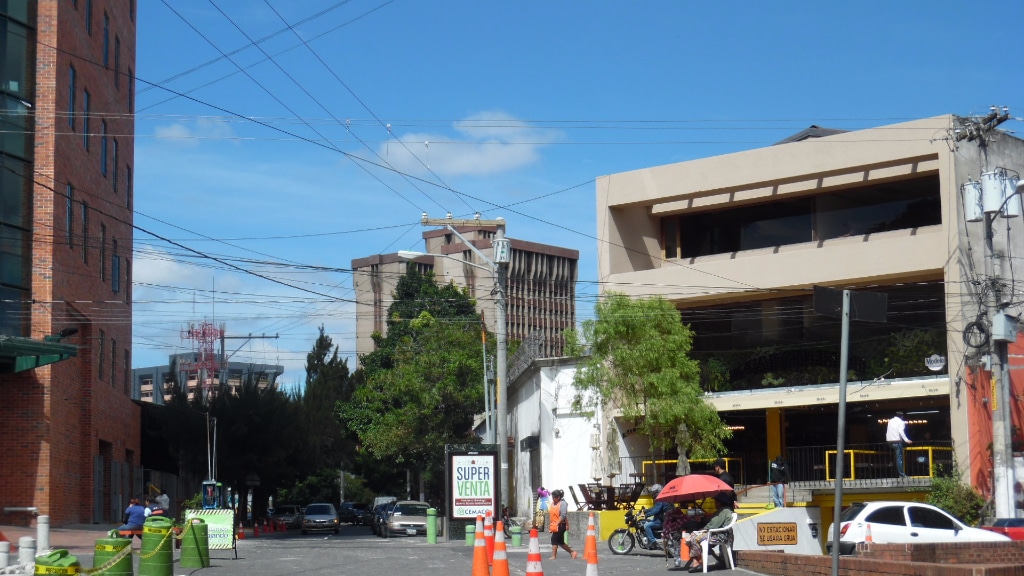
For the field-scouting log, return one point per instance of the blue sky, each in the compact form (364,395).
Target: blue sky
(346,120)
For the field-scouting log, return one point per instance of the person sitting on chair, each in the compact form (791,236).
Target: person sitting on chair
(656,514)
(722,517)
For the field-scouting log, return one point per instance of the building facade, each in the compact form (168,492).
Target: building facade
(152,384)
(541,285)
(738,242)
(70,434)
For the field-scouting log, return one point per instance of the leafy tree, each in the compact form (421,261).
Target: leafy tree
(327,382)
(639,361)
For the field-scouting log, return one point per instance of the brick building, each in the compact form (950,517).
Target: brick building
(70,433)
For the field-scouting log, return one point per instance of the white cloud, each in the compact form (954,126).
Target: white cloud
(193,133)
(482,144)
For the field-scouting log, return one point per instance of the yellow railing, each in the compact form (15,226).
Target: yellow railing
(871,462)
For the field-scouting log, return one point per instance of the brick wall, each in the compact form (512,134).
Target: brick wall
(57,416)
(967,559)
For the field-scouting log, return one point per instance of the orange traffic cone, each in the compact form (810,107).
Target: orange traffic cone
(489,536)
(684,549)
(500,566)
(255,529)
(867,534)
(241,532)
(480,550)
(533,567)
(590,547)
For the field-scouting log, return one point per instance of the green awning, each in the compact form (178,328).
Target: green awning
(19,354)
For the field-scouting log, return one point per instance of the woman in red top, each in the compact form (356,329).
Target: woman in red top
(559,512)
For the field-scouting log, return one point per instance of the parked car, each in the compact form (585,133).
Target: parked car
(320,517)
(407,517)
(290,514)
(903,523)
(376,517)
(1013,528)
(352,512)
(367,516)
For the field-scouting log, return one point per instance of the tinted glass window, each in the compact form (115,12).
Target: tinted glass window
(927,518)
(14,66)
(892,515)
(851,512)
(412,510)
(318,509)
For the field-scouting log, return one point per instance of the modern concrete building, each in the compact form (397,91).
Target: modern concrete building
(541,285)
(739,241)
(151,384)
(70,433)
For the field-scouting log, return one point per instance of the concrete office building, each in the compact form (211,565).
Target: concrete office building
(151,384)
(738,242)
(541,285)
(70,434)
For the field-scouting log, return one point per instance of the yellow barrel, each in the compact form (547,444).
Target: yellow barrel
(57,562)
(195,545)
(109,548)
(156,558)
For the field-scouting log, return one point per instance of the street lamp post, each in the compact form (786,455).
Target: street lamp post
(502,255)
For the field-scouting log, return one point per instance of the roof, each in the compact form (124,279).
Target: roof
(18,354)
(814,131)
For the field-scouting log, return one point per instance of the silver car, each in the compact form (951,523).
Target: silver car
(407,517)
(320,517)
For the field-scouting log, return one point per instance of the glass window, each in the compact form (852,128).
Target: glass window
(69,218)
(13,310)
(12,256)
(15,71)
(14,192)
(921,517)
(85,232)
(103,147)
(131,89)
(117,62)
(86,105)
(103,252)
(88,17)
(113,363)
(71,97)
(106,40)
(891,515)
(128,186)
(17,9)
(126,377)
(670,236)
(102,354)
(115,269)
(113,174)
(127,281)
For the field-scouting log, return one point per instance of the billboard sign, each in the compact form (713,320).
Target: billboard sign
(472,483)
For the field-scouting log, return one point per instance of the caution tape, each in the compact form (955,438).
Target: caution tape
(56,569)
(125,551)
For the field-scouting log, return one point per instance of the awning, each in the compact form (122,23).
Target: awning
(793,396)
(19,354)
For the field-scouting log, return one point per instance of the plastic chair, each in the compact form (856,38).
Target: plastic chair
(723,540)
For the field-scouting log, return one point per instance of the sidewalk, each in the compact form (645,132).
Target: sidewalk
(78,539)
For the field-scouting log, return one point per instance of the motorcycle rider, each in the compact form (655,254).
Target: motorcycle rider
(655,515)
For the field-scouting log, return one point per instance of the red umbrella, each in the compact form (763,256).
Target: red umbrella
(692,487)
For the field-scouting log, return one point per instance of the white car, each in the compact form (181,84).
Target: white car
(902,523)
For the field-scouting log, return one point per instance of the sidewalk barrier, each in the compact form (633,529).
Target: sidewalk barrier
(480,551)
(533,565)
(156,557)
(5,553)
(116,551)
(517,536)
(57,562)
(26,549)
(195,547)
(42,532)
(500,563)
(471,534)
(431,525)
(489,536)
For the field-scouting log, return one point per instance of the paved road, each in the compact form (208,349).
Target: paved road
(357,551)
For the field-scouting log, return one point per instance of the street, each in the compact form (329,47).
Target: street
(356,550)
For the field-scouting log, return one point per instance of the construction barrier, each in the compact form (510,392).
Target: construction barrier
(195,545)
(113,555)
(156,558)
(57,562)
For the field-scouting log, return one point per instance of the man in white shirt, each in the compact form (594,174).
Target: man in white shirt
(896,436)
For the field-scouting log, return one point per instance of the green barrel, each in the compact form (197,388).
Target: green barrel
(195,545)
(156,558)
(57,562)
(471,535)
(109,548)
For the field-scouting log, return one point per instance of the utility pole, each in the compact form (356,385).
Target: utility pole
(224,358)
(995,195)
(498,265)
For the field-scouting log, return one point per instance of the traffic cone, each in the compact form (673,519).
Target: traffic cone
(480,550)
(500,565)
(533,567)
(489,536)
(3,538)
(255,529)
(590,544)
(590,547)
(684,549)
(241,532)
(867,534)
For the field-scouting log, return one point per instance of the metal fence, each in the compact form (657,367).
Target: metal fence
(867,462)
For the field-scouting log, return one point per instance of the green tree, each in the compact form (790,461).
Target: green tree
(639,361)
(328,382)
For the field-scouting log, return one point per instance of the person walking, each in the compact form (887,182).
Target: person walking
(779,477)
(559,514)
(896,436)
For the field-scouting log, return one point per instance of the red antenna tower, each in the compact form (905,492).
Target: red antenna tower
(205,335)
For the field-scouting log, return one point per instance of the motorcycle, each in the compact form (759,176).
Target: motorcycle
(623,540)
